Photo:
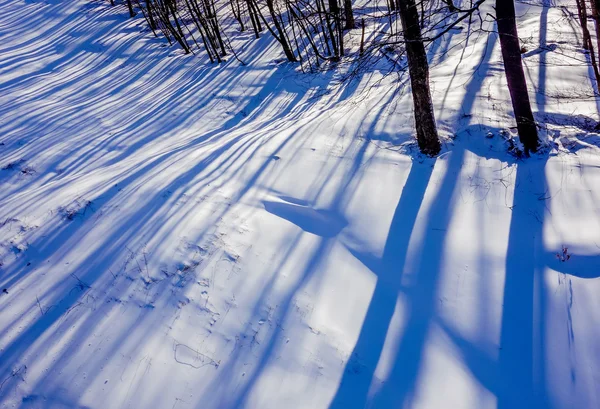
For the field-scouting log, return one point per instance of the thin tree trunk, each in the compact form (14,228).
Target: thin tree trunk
(333,7)
(427,136)
(587,38)
(254,18)
(329,24)
(349,15)
(214,22)
(151,15)
(334,13)
(515,77)
(362,38)
(130,7)
(237,13)
(324,25)
(282,37)
(582,13)
(595,7)
(150,23)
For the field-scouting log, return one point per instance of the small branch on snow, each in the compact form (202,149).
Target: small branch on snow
(39,305)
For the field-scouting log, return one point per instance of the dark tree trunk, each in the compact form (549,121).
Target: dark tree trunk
(149,6)
(254,18)
(515,77)
(349,15)
(333,7)
(211,11)
(280,36)
(587,39)
(334,10)
(582,12)
(130,7)
(595,7)
(362,38)
(329,22)
(427,136)
(237,13)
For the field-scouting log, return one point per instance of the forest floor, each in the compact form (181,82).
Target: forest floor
(175,234)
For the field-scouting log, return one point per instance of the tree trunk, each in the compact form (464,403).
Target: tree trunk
(149,6)
(427,136)
(211,11)
(582,13)
(254,18)
(130,7)
(515,77)
(595,7)
(349,15)
(282,37)
(581,7)
(333,7)
(329,22)
(237,13)
(334,10)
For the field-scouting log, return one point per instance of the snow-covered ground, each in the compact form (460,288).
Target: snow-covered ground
(175,234)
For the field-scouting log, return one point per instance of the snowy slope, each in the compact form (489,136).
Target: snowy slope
(181,235)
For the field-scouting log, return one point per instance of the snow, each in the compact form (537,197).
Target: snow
(175,234)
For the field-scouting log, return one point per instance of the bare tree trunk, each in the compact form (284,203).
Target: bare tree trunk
(362,38)
(582,13)
(211,12)
(254,18)
(333,7)
(281,35)
(151,15)
(130,7)
(595,7)
(349,15)
(237,13)
(330,26)
(418,67)
(515,77)
(587,39)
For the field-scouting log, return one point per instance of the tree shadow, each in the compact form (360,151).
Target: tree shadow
(354,386)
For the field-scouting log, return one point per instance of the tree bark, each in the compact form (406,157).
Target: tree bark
(254,19)
(349,15)
(582,13)
(515,77)
(149,6)
(281,37)
(595,7)
(587,39)
(130,7)
(333,7)
(418,67)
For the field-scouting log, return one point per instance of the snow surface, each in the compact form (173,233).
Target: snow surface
(175,234)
